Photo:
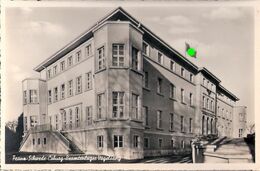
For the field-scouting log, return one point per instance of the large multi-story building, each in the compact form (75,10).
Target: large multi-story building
(118,89)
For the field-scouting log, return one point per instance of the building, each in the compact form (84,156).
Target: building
(239,122)
(118,89)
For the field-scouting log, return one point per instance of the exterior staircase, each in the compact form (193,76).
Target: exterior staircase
(229,151)
(74,149)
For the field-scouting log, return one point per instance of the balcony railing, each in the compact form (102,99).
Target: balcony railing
(40,128)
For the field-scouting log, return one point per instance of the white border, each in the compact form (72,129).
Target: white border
(233,166)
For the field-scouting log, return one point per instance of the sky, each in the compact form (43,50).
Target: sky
(222,36)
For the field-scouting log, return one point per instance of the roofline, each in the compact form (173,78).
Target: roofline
(37,68)
(208,72)
(40,67)
(227,91)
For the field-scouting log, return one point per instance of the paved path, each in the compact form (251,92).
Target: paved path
(167,159)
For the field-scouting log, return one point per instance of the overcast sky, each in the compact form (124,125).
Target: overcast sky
(223,37)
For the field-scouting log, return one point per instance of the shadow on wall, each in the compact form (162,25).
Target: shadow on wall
(14,138)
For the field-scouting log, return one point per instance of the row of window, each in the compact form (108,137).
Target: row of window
(173,119)
(33,120)
(69,61)
(208,103)
(221,112)
(172,65)
(118,142)
(30,98)
(207,84)
(59,93)
(39,141)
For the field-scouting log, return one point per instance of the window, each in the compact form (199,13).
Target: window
(118,104)
(136,141)
(182,144)
(182,124)
(100,105)
(160,143)
(64,115)
(62,65)
(70,88)
(159,85)
(135,106)
(211,104)
(191,99)
(182,96)
(56,121)
(49,97)
(100,141)
(118,141)
(212,87)
(33,121)
(145,49)
(207,84)
(135,59)
(146,117)
(240,132)
(182,72)
(25,97)
(77,112)
(203,101)
(159,119)
(172,91)
(204,82)
(39,141)
(89,80)
(78,56)
(55,70)
(49,73)
(88,50)
(62,91)
(171,121)
(55,94)
(172,65)
(33,96)
(160,58)
(33,141)
(118,55)
(101,58)
(190,125)
(78,84)
(146,143)
(44,141)
(25,123)
(70,61)
(191,78)
(146,83)
(70,118)
(89,115)
(241,117)
(207,103)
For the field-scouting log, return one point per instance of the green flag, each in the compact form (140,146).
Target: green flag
(190,51)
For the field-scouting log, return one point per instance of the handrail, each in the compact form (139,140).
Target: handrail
(65,141)
(75,141)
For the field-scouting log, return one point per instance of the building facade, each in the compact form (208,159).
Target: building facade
(239,122)
(120,90)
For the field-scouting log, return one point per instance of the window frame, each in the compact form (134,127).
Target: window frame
(120,107)
(159,119)
(135,59)
(119,58)
(100,106)
(100,141)
(88,78)
(62,91)
(101,59)
(159,85)
(79,84)
(117,141)
(135,106)
(89,115)
(70,88)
